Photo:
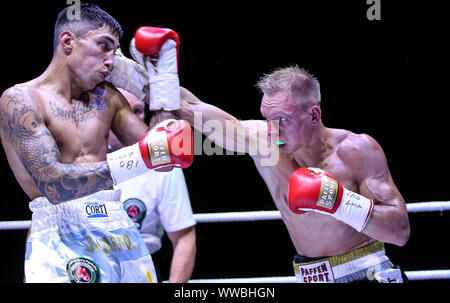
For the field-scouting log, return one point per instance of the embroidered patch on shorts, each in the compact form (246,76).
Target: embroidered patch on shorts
(136,210)
(319,272)
(83,270)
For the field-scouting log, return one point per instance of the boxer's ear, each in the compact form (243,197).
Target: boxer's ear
(65,40)
(316,113)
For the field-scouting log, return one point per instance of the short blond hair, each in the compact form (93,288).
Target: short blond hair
(293,80)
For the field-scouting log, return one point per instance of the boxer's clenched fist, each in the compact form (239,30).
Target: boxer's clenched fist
(312,189)
(158,50)
(168,144)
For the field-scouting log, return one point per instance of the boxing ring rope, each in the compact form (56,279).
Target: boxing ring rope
(265,215)
(439,274)
(418,207)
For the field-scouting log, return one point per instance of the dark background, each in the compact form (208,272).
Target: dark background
(385,78)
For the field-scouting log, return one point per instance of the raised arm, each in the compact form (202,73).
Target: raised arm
(128,128)
(221,127)
(22,126)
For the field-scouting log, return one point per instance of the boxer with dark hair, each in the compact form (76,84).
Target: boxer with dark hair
(54,130)
(91,17)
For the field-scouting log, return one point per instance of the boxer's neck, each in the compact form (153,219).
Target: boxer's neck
(58,79)
(317,147)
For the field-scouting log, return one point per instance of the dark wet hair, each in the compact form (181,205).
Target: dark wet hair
(90,17)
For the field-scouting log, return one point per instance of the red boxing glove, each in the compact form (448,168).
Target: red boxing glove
(168,144)
(312,189)
(162,45)
(149,40)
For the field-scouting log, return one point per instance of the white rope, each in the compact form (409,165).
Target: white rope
(412,275)
(428,274)
(434,206)
(238,216)
(12,225)
(247,280)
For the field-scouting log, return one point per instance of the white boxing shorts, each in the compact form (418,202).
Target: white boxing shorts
(86,240)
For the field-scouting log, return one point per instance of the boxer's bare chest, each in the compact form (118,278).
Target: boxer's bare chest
(80,127)
(277,176)
(311,233)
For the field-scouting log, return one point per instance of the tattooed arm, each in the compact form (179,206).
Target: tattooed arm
(22,126)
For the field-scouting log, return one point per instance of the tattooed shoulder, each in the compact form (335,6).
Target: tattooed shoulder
(19,114)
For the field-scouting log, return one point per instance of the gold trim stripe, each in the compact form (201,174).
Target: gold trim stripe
(158,149)
(346,257)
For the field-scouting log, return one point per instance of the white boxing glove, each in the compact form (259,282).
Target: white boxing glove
(157,49)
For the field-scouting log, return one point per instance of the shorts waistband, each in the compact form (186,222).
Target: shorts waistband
(347,267)
(102,210)
(345,257)
(42,203)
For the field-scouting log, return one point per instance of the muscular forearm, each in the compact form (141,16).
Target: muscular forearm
(63,182)
(388,224)
(389,221)
(219,126)
(192,108)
